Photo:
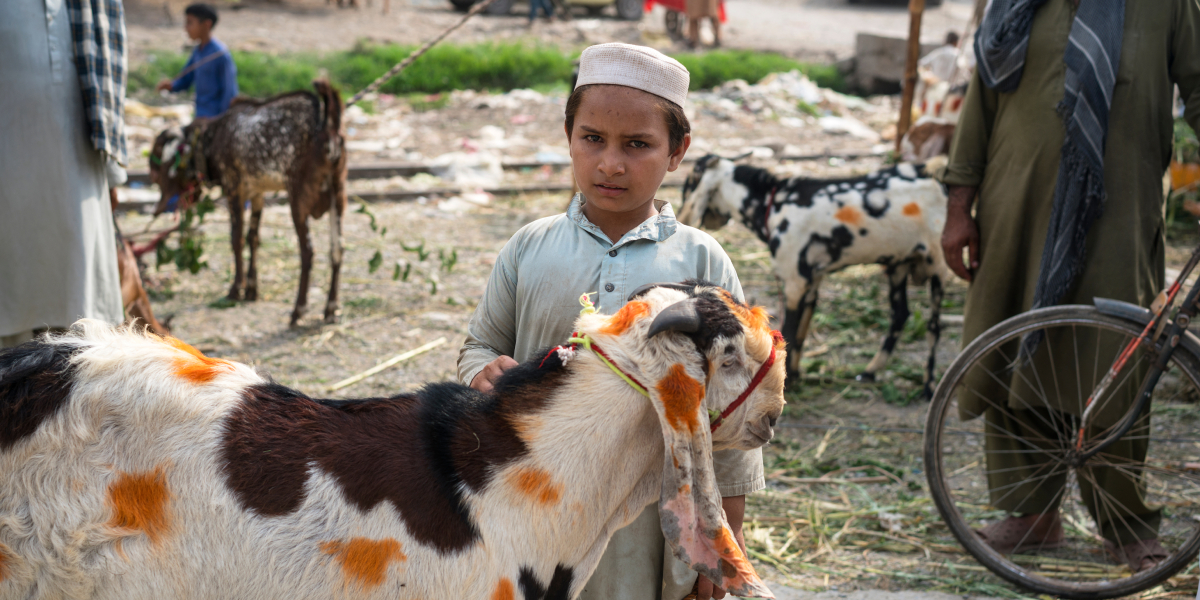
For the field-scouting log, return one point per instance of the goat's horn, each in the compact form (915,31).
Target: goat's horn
(681,316)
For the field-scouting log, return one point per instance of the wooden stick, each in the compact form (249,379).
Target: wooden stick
(915,9)
(399,358)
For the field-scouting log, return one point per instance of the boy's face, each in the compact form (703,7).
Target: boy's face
(197,29)
(620,148)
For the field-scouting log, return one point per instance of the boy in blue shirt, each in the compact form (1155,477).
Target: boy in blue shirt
(210,67)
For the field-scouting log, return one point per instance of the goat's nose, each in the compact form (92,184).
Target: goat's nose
(772,420)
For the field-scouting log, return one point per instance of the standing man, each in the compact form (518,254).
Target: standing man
(1062,144)
(210,66)
(61,118)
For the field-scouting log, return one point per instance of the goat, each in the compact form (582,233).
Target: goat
(893,217)
(135,467)
(288,142)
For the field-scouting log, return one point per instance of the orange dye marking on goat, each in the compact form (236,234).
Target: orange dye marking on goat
(504,590)
(536,484)
(139,501)
(196,367)
(750,317)
(364,560)
(912,210)
(625,317)
(849,215)
(681,396)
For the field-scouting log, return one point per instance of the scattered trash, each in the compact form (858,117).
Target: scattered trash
(848,126)
(471,169)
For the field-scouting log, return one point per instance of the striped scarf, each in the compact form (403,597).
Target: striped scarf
(1092,56)
(98,37)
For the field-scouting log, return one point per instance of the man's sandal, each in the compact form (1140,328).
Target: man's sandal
(1030,532)
(1140,555)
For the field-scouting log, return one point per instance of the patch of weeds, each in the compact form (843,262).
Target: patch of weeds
(223,303)
(425,102)
(914,329)
(365,302)
(808,109)
(894,395)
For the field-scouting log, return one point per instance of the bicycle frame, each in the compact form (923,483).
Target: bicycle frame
(1183,317)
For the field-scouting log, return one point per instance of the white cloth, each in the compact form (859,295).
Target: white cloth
(57,248)
(633,66)
(941,62)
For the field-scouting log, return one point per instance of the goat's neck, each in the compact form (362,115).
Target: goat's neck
(601,445)
(762,191)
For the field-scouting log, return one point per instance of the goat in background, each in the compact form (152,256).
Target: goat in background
(134,467)
(289,142)
(893,217)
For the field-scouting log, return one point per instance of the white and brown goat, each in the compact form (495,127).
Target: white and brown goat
(893,217)
(134,467)
(290,142)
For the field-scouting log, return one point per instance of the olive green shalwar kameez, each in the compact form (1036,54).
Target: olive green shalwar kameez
(1008,146)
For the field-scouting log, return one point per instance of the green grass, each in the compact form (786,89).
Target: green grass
(447,67)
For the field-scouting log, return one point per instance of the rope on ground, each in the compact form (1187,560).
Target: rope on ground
(400,66)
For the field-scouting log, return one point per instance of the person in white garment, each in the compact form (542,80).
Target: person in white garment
(61,119)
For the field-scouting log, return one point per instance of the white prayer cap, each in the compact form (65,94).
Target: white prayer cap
(633,66)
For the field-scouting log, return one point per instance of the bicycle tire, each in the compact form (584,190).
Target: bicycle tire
(940,425)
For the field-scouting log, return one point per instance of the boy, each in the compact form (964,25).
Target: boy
(210,66)
(626,129)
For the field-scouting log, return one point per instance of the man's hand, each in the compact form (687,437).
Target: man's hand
(165,84)
(961,232)
(488,376)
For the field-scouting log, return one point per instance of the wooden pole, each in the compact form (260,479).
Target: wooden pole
(916,8)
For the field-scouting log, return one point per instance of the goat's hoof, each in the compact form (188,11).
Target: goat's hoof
(865,378)
(331,318)
(251,295)
(234,295)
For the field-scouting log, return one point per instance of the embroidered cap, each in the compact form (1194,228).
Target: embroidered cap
(633,66)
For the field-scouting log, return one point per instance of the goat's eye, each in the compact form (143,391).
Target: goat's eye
(729,362)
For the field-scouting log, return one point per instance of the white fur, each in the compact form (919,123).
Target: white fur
(599,440)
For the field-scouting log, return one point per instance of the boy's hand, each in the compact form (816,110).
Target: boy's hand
(488,376)
(164,85)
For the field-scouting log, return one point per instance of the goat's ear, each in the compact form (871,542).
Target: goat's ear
(693,521)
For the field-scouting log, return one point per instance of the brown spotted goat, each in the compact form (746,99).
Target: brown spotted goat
(133,466)
(290,142)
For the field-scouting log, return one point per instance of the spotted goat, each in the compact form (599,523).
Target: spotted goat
(135,467)
(291,142)
(893,217)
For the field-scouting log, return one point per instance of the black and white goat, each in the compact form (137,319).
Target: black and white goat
(893,217)
(134,467)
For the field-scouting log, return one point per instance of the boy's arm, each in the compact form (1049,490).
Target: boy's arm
(492,331)
(229,86)
(185,81)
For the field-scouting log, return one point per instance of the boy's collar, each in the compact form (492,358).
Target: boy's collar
(657,228)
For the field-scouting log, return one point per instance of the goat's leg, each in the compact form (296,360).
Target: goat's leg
(796,322)
(335,261)
(256,207)
(898,300)
(300,220)
(933,331)
(236,215)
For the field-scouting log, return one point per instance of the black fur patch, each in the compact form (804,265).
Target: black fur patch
(783,226)
(417,451)
(838,240)
(559,588)
(35,381)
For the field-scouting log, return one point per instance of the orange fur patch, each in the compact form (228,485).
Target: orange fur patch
(625,317)
(363,560)
(681,396)
(3,564)
(504,590)
(196,367)
(912,210)
(849,215)
(536,484)
(139,501)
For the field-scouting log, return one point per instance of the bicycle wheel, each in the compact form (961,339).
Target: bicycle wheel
(1002,439)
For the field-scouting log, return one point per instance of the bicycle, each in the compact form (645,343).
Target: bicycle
(1095,429)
